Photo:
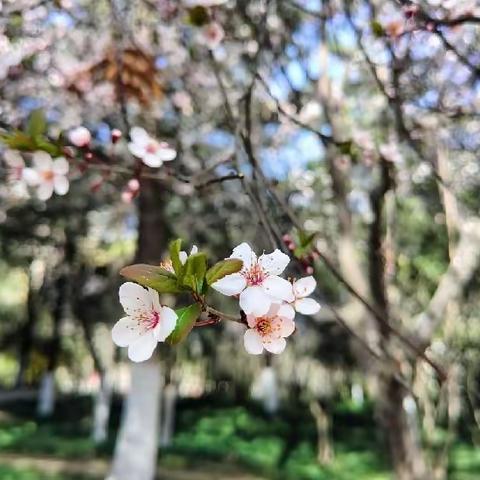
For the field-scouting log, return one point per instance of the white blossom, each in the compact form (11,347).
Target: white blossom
(258,283)
(47,175)
(152,152)
(147,322)
(302,288)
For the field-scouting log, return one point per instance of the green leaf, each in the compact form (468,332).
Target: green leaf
(152,276)
(174,249)
(195,270)
(198,16)
(223,268)
(377,28)
(187,317)
(37,124)
(47,146)
(19,141)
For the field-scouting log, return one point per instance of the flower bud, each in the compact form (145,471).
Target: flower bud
(80,137)
(116,135)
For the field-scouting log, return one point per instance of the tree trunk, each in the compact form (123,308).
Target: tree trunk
(324,445)
(46,398)
(399,419)
(137,441)
(46,395)
(169,406)
(26,336)
(265,389)
(101,411)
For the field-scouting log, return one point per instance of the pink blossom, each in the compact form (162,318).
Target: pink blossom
(270,330)
(212,35)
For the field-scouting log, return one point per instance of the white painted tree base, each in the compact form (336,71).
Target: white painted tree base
(135,455)
(101,412)
(46,395)
(265,389)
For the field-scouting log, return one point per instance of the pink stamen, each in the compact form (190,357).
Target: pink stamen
(154,320)
(255,275)
(152,147)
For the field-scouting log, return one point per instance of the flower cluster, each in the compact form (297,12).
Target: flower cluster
(268,300)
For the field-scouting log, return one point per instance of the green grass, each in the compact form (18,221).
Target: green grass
(13,473)
(281,448)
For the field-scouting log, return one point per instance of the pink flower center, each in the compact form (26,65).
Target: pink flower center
(268,328)
(154,320)
(47,175)
(152,147)
(264,326)
(255,275)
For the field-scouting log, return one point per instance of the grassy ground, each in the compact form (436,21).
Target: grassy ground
(238,437)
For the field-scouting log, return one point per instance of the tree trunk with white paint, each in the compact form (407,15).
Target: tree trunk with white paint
(135,455)
(137,443)
(46,395)
(101,411)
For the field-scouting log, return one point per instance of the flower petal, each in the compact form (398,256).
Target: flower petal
(42,161)
(134,299)
(167,154)
(13,159)
(45,190)
(136,149)
(253,342)
(304,287)
(279,288)
(142,349)
(31,177)
(274,263)
(245,253)
(230,284)
(125,332)
(60,184)
(307,306)
(254,301)
(284,326)
(152,160)
(60,166)
(286,311)
(194,250)
(183,257)
(139,136)
(155,299)
(166,325)
(275,346)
